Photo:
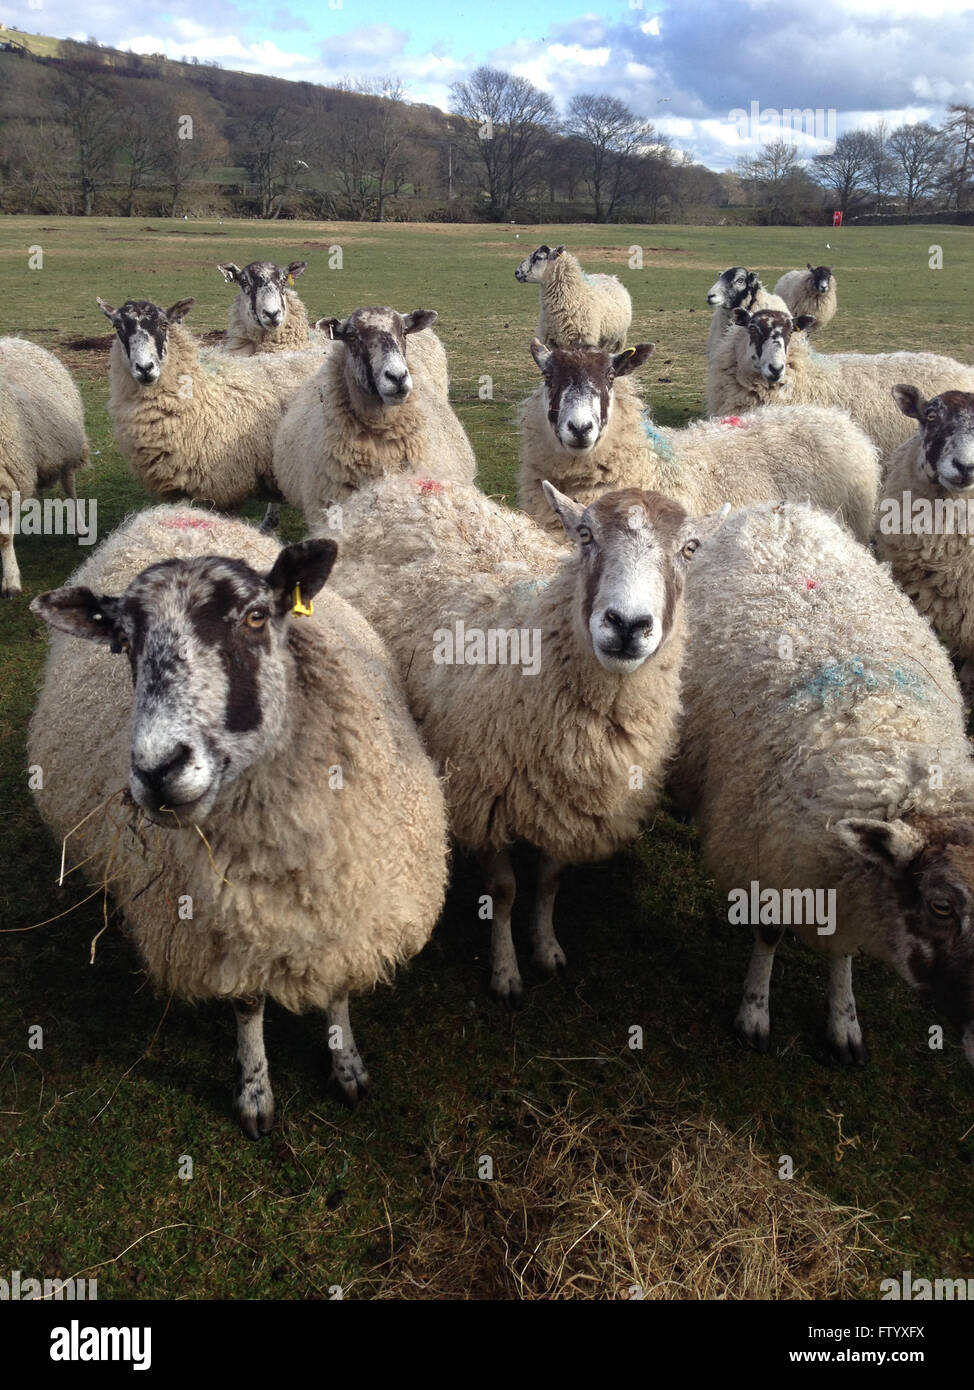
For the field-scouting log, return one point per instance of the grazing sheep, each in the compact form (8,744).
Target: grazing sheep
(266,315)
(763,361)
(576,307)
(587,431)
(42,437)
(371,410)
(195,423)
(812,291)
(736,288)
(546,683)
(926,517)
(823,749)
(283,833)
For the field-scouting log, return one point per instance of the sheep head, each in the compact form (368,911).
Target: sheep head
(578,387)
(143,331)
(375,345)
(769,333)
(262,288)
(947,434)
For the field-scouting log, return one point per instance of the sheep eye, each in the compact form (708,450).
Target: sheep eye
(256,617)
(689,549)
(941,907)
(584,535)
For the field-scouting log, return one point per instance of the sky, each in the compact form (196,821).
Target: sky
(686,65)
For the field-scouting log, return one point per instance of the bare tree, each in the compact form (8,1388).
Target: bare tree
(272,142)
(612,136)
(368,145)
(187,145)
(880,170)
(83,96)
(505,122)
(919,151)
(958,130)
(777,181)
(845,169)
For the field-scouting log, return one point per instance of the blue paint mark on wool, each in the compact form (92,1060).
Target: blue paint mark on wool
(852,680)
(527,588)
(659,442)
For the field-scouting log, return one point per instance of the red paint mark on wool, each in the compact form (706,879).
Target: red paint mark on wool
(188,523)
(429,485)
(811,583)
(734,421)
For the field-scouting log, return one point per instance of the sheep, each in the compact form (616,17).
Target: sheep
(762,360)
(811,291)
(42,438)
(574,306)
(267,314)
(925,509)
(546,682)
(736,288)
(823,750)
(283,833)
(371,410)
(193,422)
(586,430)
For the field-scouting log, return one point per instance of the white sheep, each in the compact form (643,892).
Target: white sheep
(283,833)
(925,523)
(266,315)
(42,438)
(372,410)
(811,291)
(545,682)
(824,751)
(576,307)
(762,360)
(586,430)
(736,288)
(193,422)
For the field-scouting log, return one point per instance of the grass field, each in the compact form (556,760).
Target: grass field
(94,1125)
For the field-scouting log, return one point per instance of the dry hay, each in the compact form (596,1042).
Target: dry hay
(637,1205)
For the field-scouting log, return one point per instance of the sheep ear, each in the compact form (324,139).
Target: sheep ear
(892,844)
(335,328)
(557,251)
(809,265)
(544,248)
(230,272)
(803,322)
(76,610)
(741,317)
(305,565)
(752,279)
(418,320)
(107,310)
(569,513)
(179,310)
(697,529)
(630,358)
(540,353)
(909,400)
(296,268)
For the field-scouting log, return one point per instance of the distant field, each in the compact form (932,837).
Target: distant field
(94,1125)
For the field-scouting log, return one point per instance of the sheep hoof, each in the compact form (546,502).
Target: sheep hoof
(551,959)
(351,1081)
(756,1036)
(848,1052)
(256,1123)
(509,992)
(9,590)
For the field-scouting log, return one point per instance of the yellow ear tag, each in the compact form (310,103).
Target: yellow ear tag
(290,281)
(302,610)
(630,352)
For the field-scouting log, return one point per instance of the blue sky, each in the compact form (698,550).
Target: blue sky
(684,64)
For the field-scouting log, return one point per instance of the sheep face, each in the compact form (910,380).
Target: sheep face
(947,430)
(262,286)
(532,269)
(143,331)
(375,344)
(768,336)
(207,643)
(633,549)
(578,389)
(732,287)
(821,277)
(924,873)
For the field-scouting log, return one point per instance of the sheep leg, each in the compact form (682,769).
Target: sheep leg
(844,1033)
(254,1099)
(547,953)
(9,573)
(271,518)
(505,978)
(347,1067)
(753,1021)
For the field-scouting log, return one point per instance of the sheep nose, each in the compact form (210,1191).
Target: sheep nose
(274,317)
(157,779)
(628,627)
(398,379)
(581,431)
(775,372)
(964,471)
